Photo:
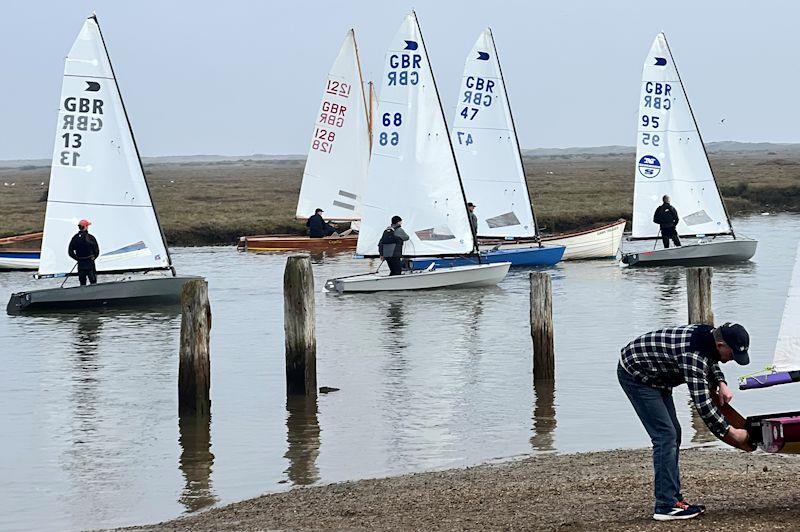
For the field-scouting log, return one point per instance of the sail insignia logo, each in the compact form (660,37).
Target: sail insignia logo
(649,166)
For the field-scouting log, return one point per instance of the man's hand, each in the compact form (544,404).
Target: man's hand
(724,393)
(738,438)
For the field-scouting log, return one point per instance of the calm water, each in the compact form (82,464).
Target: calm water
(88,402)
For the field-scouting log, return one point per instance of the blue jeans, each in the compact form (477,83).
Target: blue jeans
(656,411)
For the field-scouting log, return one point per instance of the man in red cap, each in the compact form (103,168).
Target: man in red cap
(83,248)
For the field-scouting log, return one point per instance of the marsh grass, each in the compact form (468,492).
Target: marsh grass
(215,203)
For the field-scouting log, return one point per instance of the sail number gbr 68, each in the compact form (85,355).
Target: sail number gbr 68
(81,116)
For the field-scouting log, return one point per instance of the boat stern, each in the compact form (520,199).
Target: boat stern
(18,302)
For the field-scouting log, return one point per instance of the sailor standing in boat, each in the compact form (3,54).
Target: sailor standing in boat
(318,227)
(667,217)
(473,219)
(651,366)
(390,246)
(83,248)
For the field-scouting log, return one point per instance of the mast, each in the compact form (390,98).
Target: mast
(449,140)
(514,130)
(699,135)
(371,112)
(135,146)
(361,87)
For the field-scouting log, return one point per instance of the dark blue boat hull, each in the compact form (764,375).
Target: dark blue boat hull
(534,256)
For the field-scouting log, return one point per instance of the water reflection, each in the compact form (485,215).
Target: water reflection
(302,437)
(670,294)
(395,326)
(544,416)
(196,462)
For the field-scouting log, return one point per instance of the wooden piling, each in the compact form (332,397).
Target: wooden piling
(194,369)
(298,325)
(542,326)
(698,291)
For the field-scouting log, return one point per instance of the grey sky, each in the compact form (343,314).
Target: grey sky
(242,77)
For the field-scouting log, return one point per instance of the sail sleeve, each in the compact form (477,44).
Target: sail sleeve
(412,172)
(486,147)
(670,157)
(96,173)
(338,156)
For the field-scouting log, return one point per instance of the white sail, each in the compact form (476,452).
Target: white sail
(787,350)
(670,156)
(486,147)
(413,171)
(336,168)
(96,172)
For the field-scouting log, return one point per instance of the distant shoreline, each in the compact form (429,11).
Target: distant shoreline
(216,202)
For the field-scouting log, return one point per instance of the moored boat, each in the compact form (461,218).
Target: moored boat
(23,257)
(335,173)
(94,143)
(593,243)
(672,161)
(519,257)
(462,276)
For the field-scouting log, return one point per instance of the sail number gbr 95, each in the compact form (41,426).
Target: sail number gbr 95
(81,116)
(656,103)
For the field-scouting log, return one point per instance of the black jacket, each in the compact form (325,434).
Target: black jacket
(666,216)
(83,246)
(317,227)
(391,243)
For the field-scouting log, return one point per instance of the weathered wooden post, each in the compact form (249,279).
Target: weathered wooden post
(698,291)
(194,368)
(298,324)
(542,326)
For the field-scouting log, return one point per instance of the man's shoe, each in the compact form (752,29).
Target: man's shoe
(676,513)
(685,504)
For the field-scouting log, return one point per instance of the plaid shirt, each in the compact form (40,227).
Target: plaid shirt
(667,358)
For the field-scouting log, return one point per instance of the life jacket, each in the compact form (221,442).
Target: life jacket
(390,245)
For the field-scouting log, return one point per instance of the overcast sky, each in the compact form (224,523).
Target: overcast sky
(239,77)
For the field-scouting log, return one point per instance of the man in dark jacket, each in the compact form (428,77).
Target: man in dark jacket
(318,227)
(651,366)
(390,246)
(473,219)
(83,248)
(667,217)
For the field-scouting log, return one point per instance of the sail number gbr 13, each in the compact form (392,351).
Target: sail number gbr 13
(82,114)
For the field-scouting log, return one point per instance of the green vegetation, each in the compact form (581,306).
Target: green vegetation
(215,203)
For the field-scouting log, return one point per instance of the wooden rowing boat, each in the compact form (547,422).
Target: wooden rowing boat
(264,243)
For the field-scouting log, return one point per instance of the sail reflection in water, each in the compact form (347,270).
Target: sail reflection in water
(302,437)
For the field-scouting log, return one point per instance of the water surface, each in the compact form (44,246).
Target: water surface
(429,380)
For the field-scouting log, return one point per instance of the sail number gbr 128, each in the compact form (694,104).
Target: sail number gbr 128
(81,116)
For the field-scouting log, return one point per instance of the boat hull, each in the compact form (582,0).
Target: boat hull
(529,255)
(472,276)
(19,260)
(153,291)
(721,252)
(292,243)
(597,243)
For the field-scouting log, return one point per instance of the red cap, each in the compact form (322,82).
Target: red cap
(85,223)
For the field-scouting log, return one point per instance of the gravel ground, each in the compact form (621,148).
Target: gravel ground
(592,491)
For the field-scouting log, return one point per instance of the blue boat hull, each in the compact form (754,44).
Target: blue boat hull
(535,256)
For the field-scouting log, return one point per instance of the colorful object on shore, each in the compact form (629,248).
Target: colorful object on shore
(413,174)
(785,366)
(490,163)
(780,434)
(671,160)
(94,143)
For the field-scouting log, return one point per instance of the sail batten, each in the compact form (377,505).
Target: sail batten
(96,172)
(413,170)
(670,155)
(338,155)
(487,148)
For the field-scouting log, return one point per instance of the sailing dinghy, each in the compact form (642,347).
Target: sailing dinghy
(671,160)
(413,174)
(490,163)
(338,156)
(97,174)
(23,257)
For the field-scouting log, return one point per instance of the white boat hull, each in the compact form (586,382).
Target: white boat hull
(457,277)
(702,253)
(18,263)
(600,243)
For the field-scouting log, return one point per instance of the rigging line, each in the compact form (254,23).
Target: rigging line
(99,204)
